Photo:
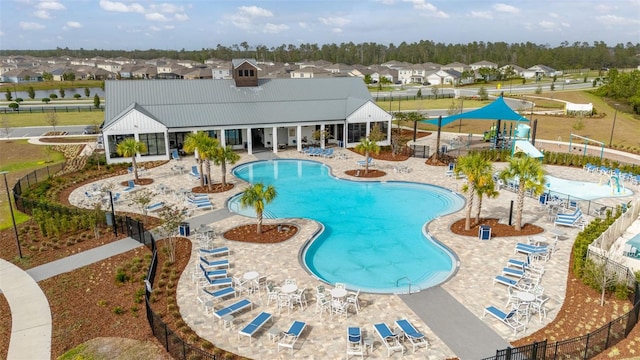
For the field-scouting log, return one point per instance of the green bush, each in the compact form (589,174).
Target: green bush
(118,310)
(121,276)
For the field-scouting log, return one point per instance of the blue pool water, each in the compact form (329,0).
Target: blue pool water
(373,238)
(586,190)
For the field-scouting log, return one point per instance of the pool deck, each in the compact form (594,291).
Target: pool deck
(324,338)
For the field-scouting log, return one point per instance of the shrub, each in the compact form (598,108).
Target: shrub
(207,345)
(118,310)
(121,276)
(622,291)
(53,96)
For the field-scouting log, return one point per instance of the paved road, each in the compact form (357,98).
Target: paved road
(35,131)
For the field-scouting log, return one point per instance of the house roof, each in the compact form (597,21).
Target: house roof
(205,103)
(497,110)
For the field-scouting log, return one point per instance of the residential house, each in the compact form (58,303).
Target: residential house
(538,71)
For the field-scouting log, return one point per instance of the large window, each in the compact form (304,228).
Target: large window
(113,141)
(356,132)
(383,126)
(155,144)
(233,137)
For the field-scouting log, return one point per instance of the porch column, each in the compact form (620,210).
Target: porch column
(322,136)
(223,140)
(299,138)
(249,142)
(274,140)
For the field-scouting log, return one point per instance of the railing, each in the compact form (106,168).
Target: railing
(609,236)
(404,277)
(45,109)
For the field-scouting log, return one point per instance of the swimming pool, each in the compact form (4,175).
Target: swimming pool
(374,238)
(585,190)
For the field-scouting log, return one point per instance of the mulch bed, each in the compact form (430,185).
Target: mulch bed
(215,188)
(140,181)
(373,173)
(497,229)
(269,235)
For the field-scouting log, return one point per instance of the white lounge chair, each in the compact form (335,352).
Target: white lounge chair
(354,342)
(389,339)
(254,325)
(290,337)
(416,338)
(233,308)
(509,319)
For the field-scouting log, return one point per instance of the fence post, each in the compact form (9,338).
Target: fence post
(586,347)
(606,343)
(166,337)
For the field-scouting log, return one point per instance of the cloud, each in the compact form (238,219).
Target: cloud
(334,21)
(547,25)
(30,26)
(181,17)
(42,14)
(565,25)
(74,24)
(612,20)
(481,14)
(554,15)
(154,28)
(167,8)
(336,30)
(604,8)
(247,16)
(275,28)
(428,9)
(386,2)
(168,27)
(155,17)
(50,5)
(506,8)
(121,7)
(303,25)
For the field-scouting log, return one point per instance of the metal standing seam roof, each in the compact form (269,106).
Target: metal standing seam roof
(187,103)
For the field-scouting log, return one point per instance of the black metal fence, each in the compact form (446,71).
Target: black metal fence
(420,151)
(399,98)
(46,109)
(582,347)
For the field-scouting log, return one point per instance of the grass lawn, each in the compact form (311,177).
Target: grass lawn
(18,157)
(64,118)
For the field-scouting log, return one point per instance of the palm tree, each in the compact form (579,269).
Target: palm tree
(257,196)
(197,142)
(478,171)
(130,147)
(208,151)
(367,146)
(223,156)
(531,176)
(488,190)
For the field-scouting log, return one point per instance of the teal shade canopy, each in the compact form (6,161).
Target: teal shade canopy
(497,110)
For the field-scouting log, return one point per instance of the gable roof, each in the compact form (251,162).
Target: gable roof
(497,110)
(200,103)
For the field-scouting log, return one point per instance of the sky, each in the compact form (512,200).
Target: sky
(198,24)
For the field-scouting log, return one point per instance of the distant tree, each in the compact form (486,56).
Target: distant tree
(46,100)
(19,100)
(141,200)
(367,79)
(483,94)
(47,76)
(87,92)
(419,93)
(53,96)
(102,85)
(434,91)
(8,95)
(171,217)
(69,76)
(538,90)
(96,101)
(31,92)
(52,119)
(14,106)
(77,96)
(258,196)
(552,87)
(62,93)
(5,125)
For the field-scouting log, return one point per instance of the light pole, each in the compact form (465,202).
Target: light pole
(614,123)
(13,219)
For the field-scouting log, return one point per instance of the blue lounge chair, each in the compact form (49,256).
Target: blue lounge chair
(214,252)
(155,207)
(291,336)
(354,341)
(509,319)
(363,163)
(194,172)
(507,271)
(214,264)
(233,308)
(416,338)
(216,273)
(389,339)
(221,293)
(505,281)
(520,264)
(328,153)
(175,155)
(130,186)
(254,325)
(218,282)
(203,206)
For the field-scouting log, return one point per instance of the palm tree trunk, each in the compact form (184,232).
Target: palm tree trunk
(479,208)
(223,176)
(259,216)
(467,222)
(366,162)
(520,207)
(209,186)
(201,173)
(134,165)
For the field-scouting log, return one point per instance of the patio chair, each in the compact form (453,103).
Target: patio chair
(416,338)
(352,300)
(221,293)
(130,186)
(218,281)
(508,319)
(507,271)
(601,211)
(272,293)
(505,281)
(254,325)
(214,264)
(323,303)
(354,341)
(389,339)
(220,251)
(539,306)
(154,207)
(299,298)
(175,155)
(233,308)
(290,337)
(284,301)
(194,172)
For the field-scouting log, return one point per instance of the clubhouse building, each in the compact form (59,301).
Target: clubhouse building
(245,112)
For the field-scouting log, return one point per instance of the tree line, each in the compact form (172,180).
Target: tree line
(565,56)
